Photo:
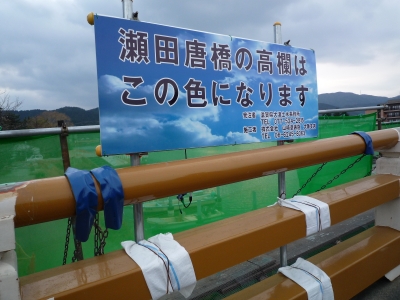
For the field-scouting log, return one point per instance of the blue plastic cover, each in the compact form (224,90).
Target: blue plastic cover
(369,147)
(113,195)
(85,194)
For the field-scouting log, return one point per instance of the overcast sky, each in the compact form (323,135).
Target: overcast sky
(47,49)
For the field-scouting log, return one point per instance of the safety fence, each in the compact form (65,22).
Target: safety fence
(250,234)
(390,125)
(42,246)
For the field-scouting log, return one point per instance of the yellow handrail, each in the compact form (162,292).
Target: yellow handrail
(51,199)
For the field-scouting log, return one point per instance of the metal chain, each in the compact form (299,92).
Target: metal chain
(309,179)
(74,257)
(100,237)
(96,235)
(78,249)
(97,230)
(67,241)
(342,172)
(103,240)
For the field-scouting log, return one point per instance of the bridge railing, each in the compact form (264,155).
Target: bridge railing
(248,235)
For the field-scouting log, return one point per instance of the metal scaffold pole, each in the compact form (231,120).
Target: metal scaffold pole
(281,175)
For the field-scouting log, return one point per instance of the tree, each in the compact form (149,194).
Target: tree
(36,122)
(9,120)
(48,119)
(54,116)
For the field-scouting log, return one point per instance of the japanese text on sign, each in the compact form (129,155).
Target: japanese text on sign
(177,88)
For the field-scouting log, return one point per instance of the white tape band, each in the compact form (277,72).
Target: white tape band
(316,212)
(311,278)
(165,264)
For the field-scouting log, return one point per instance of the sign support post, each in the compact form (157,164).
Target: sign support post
(282,195)
(127,9)
(137,207)
(281,175)
(127,13)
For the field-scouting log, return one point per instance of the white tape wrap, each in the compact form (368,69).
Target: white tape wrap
(316,212)
(311,278)
(7,214)
(161,253)
(9,284)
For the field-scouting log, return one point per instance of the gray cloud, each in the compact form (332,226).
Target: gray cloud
(48,56)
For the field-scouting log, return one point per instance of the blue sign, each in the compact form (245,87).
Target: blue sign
(163,88)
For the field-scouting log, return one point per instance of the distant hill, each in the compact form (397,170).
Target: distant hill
(348,100)
(79,116)
(323,106)
(29,113)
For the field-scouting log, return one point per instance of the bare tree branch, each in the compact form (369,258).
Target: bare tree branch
(9,119)
(6,104)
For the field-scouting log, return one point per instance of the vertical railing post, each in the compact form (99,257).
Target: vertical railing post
(379,113)
(78,253)
(64,144)
(281,175)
